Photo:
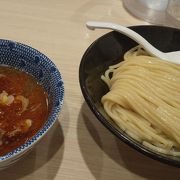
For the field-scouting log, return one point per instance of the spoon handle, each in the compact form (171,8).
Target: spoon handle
(128,32)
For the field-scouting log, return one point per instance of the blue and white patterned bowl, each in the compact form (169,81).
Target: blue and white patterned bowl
(27,59)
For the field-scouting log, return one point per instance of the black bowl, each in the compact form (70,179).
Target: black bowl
(108,50)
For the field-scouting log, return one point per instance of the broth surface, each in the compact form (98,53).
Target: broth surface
(23,108)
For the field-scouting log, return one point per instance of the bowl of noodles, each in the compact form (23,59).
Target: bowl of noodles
(134,95)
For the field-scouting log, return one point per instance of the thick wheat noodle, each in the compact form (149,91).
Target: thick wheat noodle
(143,126)
(166,82)
(159,97)
(140,104)
(144,100)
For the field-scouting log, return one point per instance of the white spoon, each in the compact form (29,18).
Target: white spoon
(170,56)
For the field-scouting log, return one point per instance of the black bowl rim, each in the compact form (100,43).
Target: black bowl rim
(140,148)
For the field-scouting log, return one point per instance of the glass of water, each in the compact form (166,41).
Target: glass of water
(173,12)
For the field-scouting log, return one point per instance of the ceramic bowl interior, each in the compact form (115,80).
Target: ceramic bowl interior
(27,59)
(108,50)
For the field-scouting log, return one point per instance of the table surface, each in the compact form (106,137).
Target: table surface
(78,147)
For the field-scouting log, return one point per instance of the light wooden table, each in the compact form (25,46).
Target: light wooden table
(78,147)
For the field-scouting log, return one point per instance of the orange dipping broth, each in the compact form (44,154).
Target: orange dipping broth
(23,108)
